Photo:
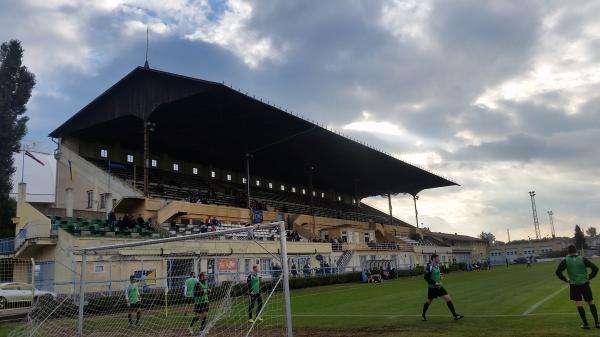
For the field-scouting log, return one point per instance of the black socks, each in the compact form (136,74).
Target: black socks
(425,307)
(582,315)
(194,321)
(451,307)
(594,312)
(203,325)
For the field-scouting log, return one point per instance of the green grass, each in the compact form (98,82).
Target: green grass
(494,303)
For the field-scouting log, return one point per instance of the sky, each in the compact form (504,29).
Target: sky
(498,96)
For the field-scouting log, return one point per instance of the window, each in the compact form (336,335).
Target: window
(99,268)
(243,180)
(229,177)
(130,158)
(322,194)
(314,193)
(366,237)
(104,153)
(339,198)
(282,188)
(258,183)
(175,167)
(270,185)
(353,201)
(90,199)
(293,190)
(303,191)
(153,163)
(213,174)
(195,170)
(103,199)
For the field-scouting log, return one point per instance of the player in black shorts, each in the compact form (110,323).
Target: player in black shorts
(579,282)
(433,276)
(200,302)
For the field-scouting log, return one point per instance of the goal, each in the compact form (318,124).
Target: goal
(229,282)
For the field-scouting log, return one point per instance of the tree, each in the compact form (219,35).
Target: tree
(579,238)
(489,237)
(16,83)
(591,232)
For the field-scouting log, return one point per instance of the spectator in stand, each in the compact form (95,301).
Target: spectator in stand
(213,228)
(203,228)
(112,219)
(294,270)
(139,221)
(173,225)
(307,269)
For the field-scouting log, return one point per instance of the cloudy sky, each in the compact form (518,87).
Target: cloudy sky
(497,95)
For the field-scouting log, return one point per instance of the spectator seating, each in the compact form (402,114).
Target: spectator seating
(99,227)
(195,188)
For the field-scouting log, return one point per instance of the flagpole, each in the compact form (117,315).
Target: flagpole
(23,166)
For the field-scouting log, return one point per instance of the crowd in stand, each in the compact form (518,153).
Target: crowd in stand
(128,222)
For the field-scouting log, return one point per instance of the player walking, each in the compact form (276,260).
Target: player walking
(579,282)
(433,277)
(253,282)
(200,294)
(132,296)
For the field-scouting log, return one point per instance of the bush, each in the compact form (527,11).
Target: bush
(299,283)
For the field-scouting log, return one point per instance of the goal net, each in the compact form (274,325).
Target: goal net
(230,282)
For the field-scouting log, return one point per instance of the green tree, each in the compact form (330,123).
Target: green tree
(489,237)
(579,238)
(16,83)
(591,232)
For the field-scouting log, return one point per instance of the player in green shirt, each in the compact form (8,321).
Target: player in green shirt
(132,296)
(200,294)
(190,284)
(433,276)
(579,282)
(253,283)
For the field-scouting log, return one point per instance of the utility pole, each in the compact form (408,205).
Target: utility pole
(551,216)
(536,222)
(390,205)
(415,198)
(508,232)
(148,127)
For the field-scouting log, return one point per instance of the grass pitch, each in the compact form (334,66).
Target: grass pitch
(515,301)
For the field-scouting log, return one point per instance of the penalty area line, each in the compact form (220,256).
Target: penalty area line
(416,315)
(536,305)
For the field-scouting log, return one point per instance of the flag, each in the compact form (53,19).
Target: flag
(28,154)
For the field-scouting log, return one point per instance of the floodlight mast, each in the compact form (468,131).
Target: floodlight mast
(536,223)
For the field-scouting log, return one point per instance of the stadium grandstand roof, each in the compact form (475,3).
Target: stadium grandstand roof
(211,123)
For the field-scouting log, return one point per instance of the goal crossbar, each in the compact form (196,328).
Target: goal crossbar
(85,250)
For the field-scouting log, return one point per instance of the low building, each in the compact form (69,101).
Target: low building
(502,253)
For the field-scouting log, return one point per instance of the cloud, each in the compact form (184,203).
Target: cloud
(500,96)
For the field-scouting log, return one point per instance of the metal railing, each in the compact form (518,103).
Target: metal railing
(336,247)
(7,246)
(32,231)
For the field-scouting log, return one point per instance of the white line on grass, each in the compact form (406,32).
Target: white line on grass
(415,315)
(536,305)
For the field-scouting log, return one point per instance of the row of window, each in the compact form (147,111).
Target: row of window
(525,252)
(213,174)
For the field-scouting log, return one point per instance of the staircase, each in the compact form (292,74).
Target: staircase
(343,261)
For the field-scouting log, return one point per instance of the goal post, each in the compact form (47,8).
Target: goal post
(230,282)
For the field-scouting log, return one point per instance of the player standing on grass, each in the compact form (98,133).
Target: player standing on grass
(188,291)
(200,293)
(579,281)
(253,282)
(433,277)
(132,296)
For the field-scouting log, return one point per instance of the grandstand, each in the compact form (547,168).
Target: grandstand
(176,151)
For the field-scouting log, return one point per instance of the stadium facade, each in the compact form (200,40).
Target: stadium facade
(175,151)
